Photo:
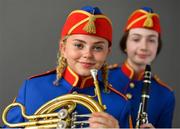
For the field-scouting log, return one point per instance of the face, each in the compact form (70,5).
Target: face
(84,52)
(141,46)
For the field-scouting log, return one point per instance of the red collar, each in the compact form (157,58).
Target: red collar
(129,72)
(77,81)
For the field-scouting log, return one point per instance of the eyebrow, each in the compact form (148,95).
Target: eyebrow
(82,41)
(151,35)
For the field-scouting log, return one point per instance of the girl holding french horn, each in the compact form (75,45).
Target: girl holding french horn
(72,88)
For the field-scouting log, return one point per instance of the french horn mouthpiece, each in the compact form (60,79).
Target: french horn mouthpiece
(94,73)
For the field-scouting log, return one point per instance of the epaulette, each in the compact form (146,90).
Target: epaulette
(117,92)
(112,66)
(42,74)
(159,81)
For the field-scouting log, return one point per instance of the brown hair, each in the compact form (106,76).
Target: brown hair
(122,43)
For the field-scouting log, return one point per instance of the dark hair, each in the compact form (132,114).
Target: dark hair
(123,40)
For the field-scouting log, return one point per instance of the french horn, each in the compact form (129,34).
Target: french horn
(47,117)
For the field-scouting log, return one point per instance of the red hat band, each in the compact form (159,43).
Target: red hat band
(82,22)
(143,19)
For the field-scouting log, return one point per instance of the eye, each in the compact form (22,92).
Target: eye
(135,39)
(79,45)
(98,48)
(152,40)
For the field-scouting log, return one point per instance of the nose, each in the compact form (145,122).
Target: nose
(88,53)
(144,45)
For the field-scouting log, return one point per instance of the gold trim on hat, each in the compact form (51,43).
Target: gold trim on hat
(76,25)
(89,27)
(147,23)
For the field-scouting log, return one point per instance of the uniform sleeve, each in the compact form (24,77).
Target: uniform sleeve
(166,117)
(14,115)
(125,118)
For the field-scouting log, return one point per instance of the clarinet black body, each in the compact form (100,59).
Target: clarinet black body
(142,117)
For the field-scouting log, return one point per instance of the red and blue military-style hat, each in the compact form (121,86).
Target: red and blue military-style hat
(144,18)
(88,20)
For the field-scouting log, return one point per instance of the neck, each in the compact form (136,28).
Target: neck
(136,67)
(77,81)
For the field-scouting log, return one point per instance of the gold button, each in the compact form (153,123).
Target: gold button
(132,85)
(129,96)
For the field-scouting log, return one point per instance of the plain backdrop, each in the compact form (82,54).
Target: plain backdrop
(30,31)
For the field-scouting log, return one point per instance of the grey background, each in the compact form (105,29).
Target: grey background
(30,29)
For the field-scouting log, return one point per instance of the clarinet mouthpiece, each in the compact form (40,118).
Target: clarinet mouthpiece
(148,68)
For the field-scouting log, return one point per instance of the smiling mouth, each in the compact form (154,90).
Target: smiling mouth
(142,56)
(87,65)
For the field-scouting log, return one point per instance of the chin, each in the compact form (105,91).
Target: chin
(142,62)
(84,74)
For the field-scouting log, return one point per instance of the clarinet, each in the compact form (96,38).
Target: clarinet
(142,117)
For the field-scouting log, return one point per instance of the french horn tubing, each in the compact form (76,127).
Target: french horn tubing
(47,117)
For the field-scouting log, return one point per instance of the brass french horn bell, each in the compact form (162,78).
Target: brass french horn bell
(47,117)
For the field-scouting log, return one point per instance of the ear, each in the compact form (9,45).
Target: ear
(60,44)
(61,47)
(109,50)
